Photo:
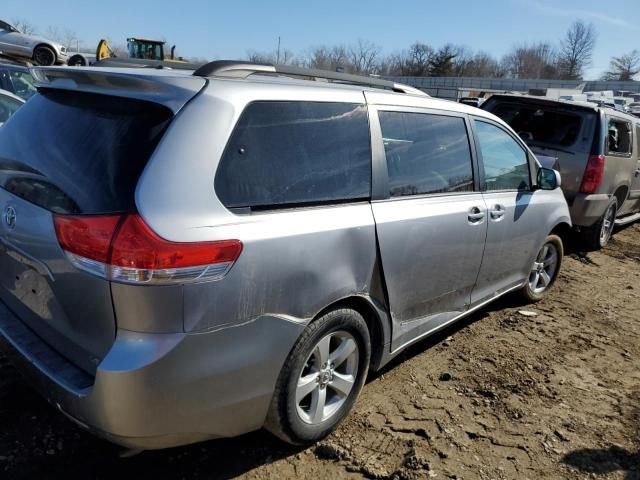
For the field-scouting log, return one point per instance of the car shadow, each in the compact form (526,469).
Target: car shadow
(604,461)
(36,441)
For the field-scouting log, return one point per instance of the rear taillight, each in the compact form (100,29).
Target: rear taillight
(593,174)
(123,248)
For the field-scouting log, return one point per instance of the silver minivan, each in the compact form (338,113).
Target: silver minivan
(189,255)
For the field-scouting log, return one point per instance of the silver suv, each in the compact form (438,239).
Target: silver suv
(597,150)
(189,255)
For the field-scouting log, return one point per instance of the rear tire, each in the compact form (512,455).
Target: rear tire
(321,378)
(545,269)
(77,60)
(598,235)
(44,56)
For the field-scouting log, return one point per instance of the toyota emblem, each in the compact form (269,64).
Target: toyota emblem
(10,217)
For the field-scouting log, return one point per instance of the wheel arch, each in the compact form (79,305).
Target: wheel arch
(563,230)
(621,194)
(49,46)
(376,318)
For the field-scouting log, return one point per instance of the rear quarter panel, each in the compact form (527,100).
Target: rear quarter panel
(294,262)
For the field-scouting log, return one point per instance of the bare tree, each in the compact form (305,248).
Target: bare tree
(328,58)
(462,62)
(482,65)
(624,67)
(412,62)
(538,60)
(66,37)
(24,26)
(419,56)
(576,50)
(287,57)
(363,56)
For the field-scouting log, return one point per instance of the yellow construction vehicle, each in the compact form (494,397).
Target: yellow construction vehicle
(140,53)
(140,48)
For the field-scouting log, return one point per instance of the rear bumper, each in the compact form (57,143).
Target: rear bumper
(588,209)
(162,390)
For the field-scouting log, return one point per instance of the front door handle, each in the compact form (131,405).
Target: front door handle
(497,212)
(475,215)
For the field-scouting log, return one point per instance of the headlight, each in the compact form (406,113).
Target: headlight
(63,49)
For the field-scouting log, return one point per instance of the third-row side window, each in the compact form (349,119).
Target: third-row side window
(426,153)
(290,153)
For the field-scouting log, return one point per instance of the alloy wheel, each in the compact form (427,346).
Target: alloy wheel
(544,268)
(608,223)
(327,377)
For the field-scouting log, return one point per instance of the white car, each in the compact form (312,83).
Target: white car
(9,103)
(634,109)
(41,50)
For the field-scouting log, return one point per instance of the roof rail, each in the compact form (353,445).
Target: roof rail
(240,69)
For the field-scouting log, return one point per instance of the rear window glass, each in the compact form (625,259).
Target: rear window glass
(73,152)
(8,106)
(22,83)
(539,125)
(291,153)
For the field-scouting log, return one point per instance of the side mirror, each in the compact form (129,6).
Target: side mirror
(548,179)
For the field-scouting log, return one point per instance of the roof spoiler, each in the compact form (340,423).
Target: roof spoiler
(171,91)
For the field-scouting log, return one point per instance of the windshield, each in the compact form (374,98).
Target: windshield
(539,124)
(149,51)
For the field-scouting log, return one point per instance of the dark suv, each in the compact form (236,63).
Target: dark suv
(596,150)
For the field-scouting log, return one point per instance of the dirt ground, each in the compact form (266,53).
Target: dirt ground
(499,396)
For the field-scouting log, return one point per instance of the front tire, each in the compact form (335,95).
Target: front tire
(598,235)
(321,379)
(545,269)
(44,56)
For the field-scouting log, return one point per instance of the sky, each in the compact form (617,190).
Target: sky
(228,29)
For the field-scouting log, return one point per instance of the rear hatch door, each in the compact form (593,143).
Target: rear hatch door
(68,152)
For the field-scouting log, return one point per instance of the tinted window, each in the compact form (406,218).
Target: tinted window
(505,162)
(75,152)
(8,106)
(537,124)
(22,83)
(284,153)
(619,137)
(426,153)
